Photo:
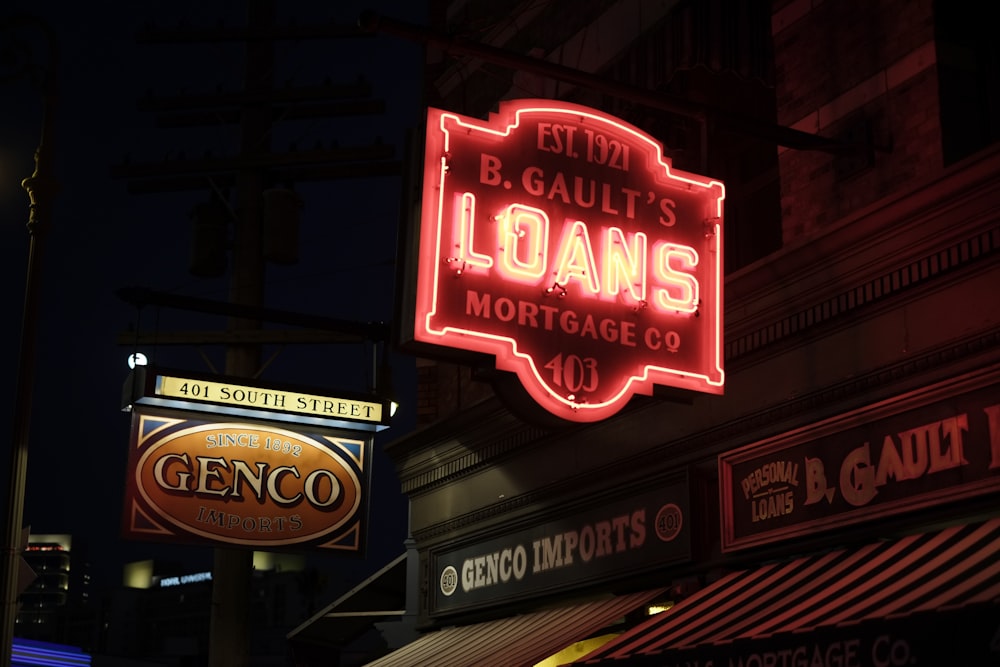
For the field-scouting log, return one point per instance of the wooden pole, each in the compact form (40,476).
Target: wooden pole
(232,573)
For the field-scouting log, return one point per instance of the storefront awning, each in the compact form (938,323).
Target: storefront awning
(517,641)
(924,599)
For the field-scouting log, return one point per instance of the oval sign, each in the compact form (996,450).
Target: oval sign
(248,484)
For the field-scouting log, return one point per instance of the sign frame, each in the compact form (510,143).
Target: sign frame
(184,484)
(224,460)
(629,298)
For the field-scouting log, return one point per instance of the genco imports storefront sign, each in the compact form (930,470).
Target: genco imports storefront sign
(561,241)
(243,483)
(932,446)
(622,537)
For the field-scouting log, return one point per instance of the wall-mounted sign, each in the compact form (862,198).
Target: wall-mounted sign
(185,579)
(623,537)
(561,241)
(197,479)
(237,397)
(925,448)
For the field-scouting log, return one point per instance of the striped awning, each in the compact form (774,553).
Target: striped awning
(516,641)
(937,593)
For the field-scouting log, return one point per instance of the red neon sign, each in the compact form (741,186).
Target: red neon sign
(562,241)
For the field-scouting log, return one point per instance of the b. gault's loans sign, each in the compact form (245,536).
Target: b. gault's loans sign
(561,241)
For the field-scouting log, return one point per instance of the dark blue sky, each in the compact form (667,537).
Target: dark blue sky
(102,238)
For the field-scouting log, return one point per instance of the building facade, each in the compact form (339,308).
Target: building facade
(161,613)
(848,475)
(58,605)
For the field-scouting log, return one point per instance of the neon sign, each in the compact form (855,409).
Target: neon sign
(561,240)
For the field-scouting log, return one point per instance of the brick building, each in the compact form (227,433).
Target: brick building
(839,499)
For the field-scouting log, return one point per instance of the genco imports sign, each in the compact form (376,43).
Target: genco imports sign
(618,538)
(244,483)
(561,241)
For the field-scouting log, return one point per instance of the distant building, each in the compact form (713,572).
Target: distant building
(161,612)
(57,606)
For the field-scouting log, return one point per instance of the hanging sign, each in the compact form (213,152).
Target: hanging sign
(221,460)
(561,241)
(241,483)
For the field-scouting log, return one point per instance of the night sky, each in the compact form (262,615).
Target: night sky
(103,238)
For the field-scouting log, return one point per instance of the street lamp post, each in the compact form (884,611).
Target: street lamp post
(41,188)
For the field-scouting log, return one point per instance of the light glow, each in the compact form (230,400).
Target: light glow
(466,208)
(673,267)
(524,234)
(654,609)
(625,264)
(33,652)
(137,359)
(576,257)
(197,577)
(244,400)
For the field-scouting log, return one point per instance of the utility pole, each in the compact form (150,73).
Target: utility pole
(41,188)
(232,570)
(255,168)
